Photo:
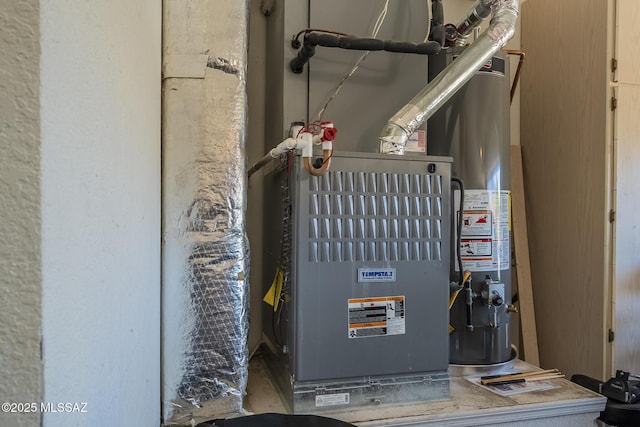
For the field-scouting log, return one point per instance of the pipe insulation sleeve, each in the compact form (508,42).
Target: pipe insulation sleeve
(311,40)
(437,33)
(205,251)
(401,126)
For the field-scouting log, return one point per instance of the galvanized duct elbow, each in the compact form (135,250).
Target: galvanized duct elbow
(394,136)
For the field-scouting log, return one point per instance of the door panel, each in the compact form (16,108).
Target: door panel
(627,231)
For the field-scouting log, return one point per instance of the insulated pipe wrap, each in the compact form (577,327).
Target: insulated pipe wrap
(394,136)
(361,43)
(312,40)
(205,250)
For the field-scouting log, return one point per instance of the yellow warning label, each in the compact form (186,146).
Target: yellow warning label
(272,296)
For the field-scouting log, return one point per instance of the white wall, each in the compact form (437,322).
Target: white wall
(100,112)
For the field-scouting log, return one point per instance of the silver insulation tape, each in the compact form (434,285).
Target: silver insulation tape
(205,249)
(394,136)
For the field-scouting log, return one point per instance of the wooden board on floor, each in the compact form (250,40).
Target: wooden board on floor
(523,266)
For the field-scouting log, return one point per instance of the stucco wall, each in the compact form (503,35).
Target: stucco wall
(20,288)
(100,113)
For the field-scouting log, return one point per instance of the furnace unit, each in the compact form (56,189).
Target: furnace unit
(366,259)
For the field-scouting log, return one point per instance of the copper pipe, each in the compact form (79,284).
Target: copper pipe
(326,162)
(516,78)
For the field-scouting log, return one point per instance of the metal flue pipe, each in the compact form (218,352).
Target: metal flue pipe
(399,128)
(478,13)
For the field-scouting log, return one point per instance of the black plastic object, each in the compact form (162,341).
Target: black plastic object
(437,32)
(587,382)
(621,388)
(277,420)
(311,40)
(615,413)
(621,414)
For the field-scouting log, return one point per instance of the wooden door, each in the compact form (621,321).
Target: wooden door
(626,304)
(564,108)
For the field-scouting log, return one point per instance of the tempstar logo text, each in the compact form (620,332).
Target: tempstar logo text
(376,275)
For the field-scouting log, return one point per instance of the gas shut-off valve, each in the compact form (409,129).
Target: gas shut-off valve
(493,294)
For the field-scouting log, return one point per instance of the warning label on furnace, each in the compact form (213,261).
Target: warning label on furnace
(484,237)
(375,317)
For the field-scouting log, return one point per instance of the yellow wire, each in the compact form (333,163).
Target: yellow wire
(455,294)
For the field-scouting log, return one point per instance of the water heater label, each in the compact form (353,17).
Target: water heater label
(376,317)
(376,275)
(486,222)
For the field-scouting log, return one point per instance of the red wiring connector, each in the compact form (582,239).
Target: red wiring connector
(328,133)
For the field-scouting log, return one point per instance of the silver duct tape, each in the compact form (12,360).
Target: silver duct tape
(205,248)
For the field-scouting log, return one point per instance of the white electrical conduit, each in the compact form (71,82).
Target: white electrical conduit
(394,136)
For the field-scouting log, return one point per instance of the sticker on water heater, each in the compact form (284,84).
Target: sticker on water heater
(472,248)
(477,223)
(376,275)
(486,221)
(376,317)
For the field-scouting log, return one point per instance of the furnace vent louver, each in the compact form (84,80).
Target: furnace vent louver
(369,216)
